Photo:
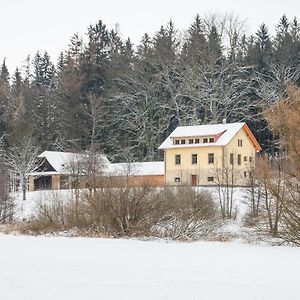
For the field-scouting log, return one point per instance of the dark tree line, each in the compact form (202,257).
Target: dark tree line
(108,94)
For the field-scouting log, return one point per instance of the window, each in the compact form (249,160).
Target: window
(245,174)
(210,179)
(177,179)
(205,140)
(194,159)
(250,159)
(182,142)
(211,140)
(240,143)
(231,159)
(191,141)
(176,142)
(239,159)
(177,159)
(245,158)
(211,158)
(197,141)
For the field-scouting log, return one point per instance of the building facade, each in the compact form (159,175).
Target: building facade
(210,155)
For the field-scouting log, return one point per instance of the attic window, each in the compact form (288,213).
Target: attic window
(176,142)
(197,141)
(62,165)
(240,143)
(205,140)
(191,141)
(211,140)
(182,142)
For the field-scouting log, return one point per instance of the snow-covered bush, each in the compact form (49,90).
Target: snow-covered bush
(190,214)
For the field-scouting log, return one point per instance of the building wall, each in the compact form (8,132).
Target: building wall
(241,172)
(30,183)
(136,181)
(221,170)
(186,169)
(55,182)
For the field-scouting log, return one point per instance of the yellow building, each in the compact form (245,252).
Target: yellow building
(210,154)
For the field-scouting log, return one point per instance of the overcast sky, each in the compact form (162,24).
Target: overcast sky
(30,25)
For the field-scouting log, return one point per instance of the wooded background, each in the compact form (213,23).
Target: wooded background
(126,99)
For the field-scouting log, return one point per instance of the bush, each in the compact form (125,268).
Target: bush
(190,214)
(181,213)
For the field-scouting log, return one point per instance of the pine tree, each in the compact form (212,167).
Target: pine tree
(214,47)
(195,46)
(4,97)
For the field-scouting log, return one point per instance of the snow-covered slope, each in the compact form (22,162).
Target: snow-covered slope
(79,268)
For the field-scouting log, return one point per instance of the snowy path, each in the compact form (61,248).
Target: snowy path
(78,268)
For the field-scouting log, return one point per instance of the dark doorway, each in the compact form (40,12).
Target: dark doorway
(43,183)
(194,179)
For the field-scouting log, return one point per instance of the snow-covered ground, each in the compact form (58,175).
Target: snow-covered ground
(84,268)
(27,208)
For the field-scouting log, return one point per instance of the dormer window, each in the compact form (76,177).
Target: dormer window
(191,141)
(205,140)
(212,140)
(197,141)
(176,142)
(182,142)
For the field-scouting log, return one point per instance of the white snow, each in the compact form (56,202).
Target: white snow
(227,131)
(26,209)
(60,268)
(136,168)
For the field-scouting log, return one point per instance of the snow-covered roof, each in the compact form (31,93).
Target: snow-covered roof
(61,160)
(136,168)
(225,133)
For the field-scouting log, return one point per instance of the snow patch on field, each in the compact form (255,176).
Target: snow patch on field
(79,268)
(26,209)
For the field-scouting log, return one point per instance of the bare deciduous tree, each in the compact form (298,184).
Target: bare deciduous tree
(6,201)
(21,159)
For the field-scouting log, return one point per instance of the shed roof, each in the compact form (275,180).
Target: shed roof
(136,168)
(61,160)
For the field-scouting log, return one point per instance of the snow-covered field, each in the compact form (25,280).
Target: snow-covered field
(84,268)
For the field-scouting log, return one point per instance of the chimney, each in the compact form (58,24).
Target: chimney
(224,121)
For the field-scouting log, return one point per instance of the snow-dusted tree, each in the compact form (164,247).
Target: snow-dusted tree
(6,202)
(21,159)
(226,179)
(94,112)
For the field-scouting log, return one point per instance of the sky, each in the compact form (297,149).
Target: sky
(32,25)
